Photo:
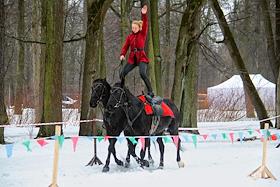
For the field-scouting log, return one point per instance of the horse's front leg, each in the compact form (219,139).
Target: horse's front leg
(161,148)
(111,149)
(131,151)
(127,159)
(143,153)
(151,160)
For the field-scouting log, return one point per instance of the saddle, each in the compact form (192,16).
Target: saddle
(157,108)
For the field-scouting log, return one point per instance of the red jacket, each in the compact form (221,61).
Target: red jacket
(137,40)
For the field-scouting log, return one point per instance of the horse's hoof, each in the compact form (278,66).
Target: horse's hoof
(160,166)
(127,165)
(181,164)
(105,169)
(145,163)
(151,161)
(119,162)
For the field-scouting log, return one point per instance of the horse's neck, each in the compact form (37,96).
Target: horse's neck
(107,95)
(134,100)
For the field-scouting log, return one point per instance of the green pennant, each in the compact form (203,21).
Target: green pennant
(268,134)
(133,141)
(250,132)
(100,138)
(194,138)
(224,136)
(26,143)
(167,139)
(60,140)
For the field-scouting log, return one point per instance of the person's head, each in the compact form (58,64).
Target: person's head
(136,26)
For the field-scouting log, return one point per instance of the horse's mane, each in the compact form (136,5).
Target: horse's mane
(133,99)
(103,81)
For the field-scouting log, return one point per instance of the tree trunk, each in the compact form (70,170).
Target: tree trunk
(95,11)
(38,57)
(238,61)
(277,41)
(20,64)
(151,56)
(53,72)
(187,59)
(3,114)
(167,53)
(156,45)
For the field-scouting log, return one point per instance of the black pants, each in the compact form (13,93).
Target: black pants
(143,73)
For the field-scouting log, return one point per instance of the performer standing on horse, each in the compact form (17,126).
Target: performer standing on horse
(137,57)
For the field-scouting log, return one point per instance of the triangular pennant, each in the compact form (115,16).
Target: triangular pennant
(250,131)
(278,135)
(9,149)
(167,139)
(90,138)
(176,141)
(259,131)
(268,134)
(53,137)
(153,138)
(133,141)
(120,139)
(224,135)
(74,141)
(142,140)
(214,136)
(99,138)
(231,135)
(194,138)
(205,136)
(60,140)
(240,134)
(42,142)
(106,138)
(185,138)
(26,143)
(273,137)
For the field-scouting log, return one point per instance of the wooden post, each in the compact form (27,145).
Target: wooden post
(56,156)
(263,171)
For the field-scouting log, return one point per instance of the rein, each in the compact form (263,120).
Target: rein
(124,107)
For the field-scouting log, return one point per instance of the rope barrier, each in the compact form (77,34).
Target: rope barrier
(100,120)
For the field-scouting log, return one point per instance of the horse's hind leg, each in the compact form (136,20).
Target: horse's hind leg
(161,149)
(173,130)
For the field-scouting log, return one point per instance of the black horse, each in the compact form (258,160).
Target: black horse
(99,96)
(124,106)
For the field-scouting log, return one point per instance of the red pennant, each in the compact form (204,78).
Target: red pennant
(74,141)
(205,136)
(273,137)
(142,140)
(176,140)
(42,142)
(231,136)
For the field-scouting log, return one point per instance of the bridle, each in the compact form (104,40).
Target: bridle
(124,106)
(94,90)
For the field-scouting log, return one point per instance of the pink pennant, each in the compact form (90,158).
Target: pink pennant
(176,140)
(259,131)
(142,140)
(74,141)
(106,138)
(205,136)
(42,142)
(231,136)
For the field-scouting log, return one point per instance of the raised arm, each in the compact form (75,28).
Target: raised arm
(144,19)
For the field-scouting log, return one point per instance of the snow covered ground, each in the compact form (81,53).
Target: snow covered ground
(213,163)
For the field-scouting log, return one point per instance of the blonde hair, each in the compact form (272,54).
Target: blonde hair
(139,23)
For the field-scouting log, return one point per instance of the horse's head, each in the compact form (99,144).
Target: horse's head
(100,92)
(118,98)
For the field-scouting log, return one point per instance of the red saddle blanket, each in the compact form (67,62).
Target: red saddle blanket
(149,110)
